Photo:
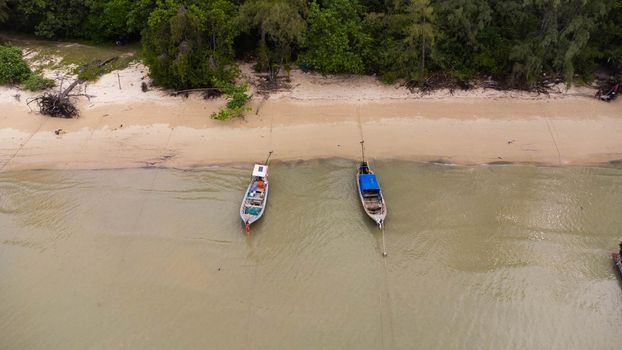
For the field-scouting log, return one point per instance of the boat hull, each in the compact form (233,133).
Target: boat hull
(378,218)
(616,261)
(248,219)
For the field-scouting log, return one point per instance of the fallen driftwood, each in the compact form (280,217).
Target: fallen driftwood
(207,92)
(58,105)
(268,85)
(105,62)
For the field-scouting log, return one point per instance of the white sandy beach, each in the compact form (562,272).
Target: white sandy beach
(318,117)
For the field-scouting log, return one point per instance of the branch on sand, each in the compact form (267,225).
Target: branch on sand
(439,81)
(207,92)
(59,104)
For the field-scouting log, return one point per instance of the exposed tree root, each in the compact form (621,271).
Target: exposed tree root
(58,105)
(440,81)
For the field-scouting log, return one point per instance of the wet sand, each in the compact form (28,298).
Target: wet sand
(126,128)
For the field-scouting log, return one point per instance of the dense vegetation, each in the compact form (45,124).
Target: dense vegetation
(194,43)
(15,70)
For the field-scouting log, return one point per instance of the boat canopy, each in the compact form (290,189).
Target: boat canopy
(368,182)
(260,170)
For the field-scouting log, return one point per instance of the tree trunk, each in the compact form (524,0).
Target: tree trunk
(263,35)
(422,65)
(68,89)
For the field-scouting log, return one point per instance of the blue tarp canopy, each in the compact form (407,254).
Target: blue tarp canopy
(368,182)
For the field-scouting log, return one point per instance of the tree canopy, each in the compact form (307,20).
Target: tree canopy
(335,41)
(192,43)
(280,26)
(4,11)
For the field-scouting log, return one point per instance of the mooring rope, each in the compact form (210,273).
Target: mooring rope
(385,299)
(384,247)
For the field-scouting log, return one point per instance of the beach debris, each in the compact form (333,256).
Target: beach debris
(207,92)
(546,85)
(511,141)
(267,84)
(608,90)
(144,86)
(60,132)
(437,82)
(17,97)
(99,64)
(58,104)
(441,81)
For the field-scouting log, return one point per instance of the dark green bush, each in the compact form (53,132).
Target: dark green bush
(13,68)
(36,82)
(191,46)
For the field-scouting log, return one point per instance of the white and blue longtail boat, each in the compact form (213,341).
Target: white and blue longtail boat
(370,193)
(256,195)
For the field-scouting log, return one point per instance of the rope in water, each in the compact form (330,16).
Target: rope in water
(384,247)
(387,298)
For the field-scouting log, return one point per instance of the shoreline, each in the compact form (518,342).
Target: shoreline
(319,117)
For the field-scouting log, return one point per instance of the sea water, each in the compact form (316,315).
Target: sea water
(486,257)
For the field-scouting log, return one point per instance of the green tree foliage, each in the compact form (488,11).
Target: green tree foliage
(236,106)
(420,30)
(118,19)
(605,45)
(13,68)
(190,44)
(546,35)
(461,42)
(36,82)
(86,19)
(108,19)
(335,40)
(4,11)
(404,36)
(281,27)
(51,19)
